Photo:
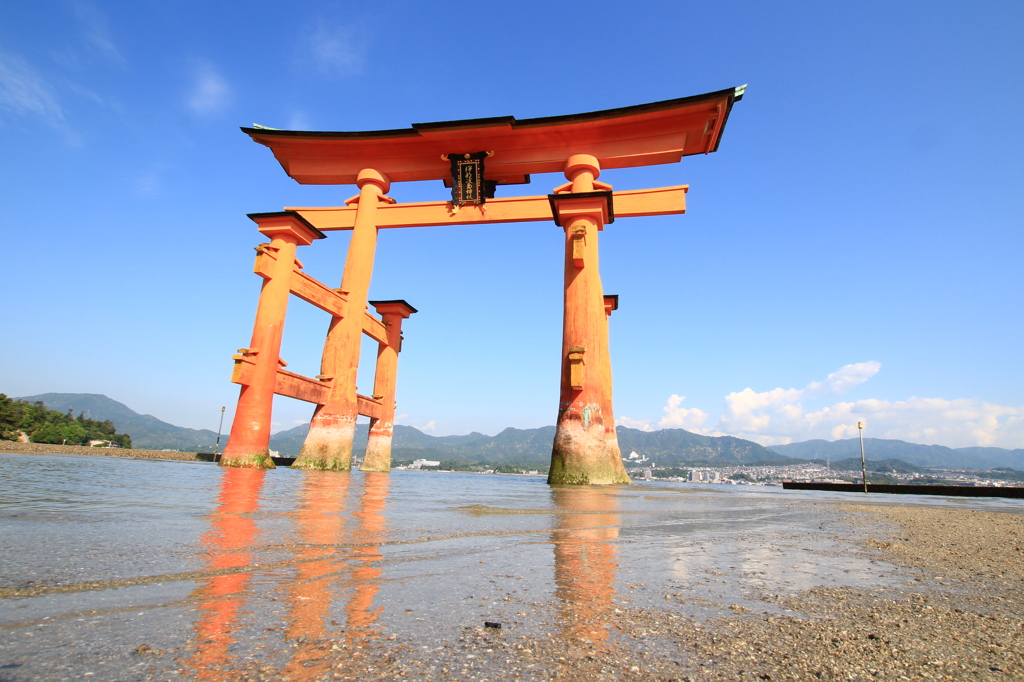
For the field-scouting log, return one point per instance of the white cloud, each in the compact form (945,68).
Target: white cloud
(842,380)
(24,92)
(679,417)
(779,416)
(335,50)
(210,92)
(429,426)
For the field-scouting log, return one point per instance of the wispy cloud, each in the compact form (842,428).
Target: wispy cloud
(25,92)
(299,121)
(779,416)
(334,51)
(149,182)
(96,30)
(404,420)
(210,93)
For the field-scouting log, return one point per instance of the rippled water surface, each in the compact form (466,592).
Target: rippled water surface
(219,569)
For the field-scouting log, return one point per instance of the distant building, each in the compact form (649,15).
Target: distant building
(420,463)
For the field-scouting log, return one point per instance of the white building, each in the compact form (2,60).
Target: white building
(420,463)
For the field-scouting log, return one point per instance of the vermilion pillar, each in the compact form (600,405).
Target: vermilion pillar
(250,430)
(586,448)
(378,445)
(333,427)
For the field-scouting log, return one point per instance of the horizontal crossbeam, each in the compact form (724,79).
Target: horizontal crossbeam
(628,204)
(292,385)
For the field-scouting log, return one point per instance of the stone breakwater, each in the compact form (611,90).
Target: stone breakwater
(48,449)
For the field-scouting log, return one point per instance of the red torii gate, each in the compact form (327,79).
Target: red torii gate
(473,157)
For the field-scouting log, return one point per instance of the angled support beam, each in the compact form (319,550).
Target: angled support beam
(318,294)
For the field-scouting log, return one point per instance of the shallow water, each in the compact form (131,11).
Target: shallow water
(224,569)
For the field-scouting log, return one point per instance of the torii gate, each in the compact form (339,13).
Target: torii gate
(473,157)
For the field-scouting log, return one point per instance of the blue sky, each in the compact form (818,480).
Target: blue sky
(852,252)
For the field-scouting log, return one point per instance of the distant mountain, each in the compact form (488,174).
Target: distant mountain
(668,447)
(533,446)
(677,446)
(147,432)
(913,453)
(884,466)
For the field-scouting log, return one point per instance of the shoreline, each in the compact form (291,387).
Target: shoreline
(129,453)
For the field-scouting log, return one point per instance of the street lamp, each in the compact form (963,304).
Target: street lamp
(863,463)
(216,450)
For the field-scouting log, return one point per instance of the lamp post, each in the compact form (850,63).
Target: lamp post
(863,462)
(216,449)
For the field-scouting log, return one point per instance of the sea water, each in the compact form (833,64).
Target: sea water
(125,569)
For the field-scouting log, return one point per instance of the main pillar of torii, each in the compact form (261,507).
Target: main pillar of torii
(473,157)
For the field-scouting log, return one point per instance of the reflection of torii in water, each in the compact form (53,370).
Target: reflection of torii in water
(320,581)
(227,544)
(323,570)
(585,560)
(319,517)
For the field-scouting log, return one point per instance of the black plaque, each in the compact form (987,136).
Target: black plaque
(468,183)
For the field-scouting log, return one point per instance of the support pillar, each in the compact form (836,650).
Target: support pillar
(586,447)
(248,444)
(378,445)
(332,429)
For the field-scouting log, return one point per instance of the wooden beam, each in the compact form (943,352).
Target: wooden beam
(292,385)
(322,296)
(368,407)
(374,328)
(305,287)
(628,204)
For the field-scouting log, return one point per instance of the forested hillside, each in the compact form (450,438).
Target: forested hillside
(43,425)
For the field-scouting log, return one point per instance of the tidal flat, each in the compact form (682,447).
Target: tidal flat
(117,569)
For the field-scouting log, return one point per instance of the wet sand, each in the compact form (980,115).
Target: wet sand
(194,572)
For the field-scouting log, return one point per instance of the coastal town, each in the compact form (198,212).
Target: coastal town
(762,474)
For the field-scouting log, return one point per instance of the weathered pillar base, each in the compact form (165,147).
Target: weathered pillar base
(255,460)
(378,450)
(586,455)
(328,446)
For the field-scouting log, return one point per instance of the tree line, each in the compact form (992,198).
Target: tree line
(50,426)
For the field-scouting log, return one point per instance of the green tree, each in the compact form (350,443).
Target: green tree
(47,432)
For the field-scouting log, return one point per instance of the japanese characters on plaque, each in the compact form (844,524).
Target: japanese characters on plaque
(468,184)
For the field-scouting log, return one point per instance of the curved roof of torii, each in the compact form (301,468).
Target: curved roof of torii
(641,135)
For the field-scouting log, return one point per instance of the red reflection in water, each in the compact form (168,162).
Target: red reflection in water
(365,582)
(585,559)
(321,523)
(322,569)
(227,546)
